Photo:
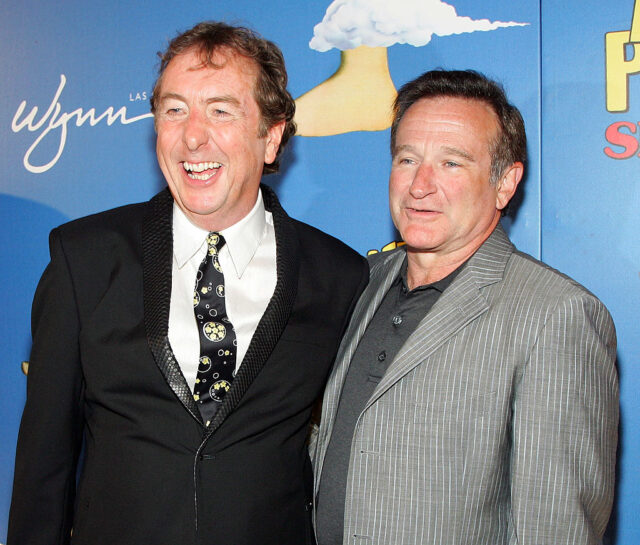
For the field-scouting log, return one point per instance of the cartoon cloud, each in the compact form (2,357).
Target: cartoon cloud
(358,97)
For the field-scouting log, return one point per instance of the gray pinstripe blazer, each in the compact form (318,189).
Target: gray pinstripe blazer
(497,421)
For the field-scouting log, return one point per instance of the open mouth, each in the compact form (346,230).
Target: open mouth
(422,213)
(201,171)
(421,210)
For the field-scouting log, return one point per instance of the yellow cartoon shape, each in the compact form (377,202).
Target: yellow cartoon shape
(360,95)
(388,247)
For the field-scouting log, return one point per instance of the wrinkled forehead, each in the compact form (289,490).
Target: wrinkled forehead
(455,104)
(450,114)
(223,57)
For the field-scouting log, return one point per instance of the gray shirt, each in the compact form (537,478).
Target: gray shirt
(398,315)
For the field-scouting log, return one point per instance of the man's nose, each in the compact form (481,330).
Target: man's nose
(195,131)
(423,182)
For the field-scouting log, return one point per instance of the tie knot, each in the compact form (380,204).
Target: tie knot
(215,241)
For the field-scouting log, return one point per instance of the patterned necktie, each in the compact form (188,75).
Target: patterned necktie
(217,337)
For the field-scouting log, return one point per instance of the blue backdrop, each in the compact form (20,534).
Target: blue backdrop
(77,139)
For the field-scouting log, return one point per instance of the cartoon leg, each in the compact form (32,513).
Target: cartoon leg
(358,97)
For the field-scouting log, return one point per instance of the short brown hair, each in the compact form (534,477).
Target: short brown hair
(273,99)
(510,144)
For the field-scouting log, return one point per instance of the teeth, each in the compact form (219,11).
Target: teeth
(200,167)
(199,176)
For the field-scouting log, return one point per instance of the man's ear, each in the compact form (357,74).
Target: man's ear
(507,184)
(274,137)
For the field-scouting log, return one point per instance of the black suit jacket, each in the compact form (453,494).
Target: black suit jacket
(103,374)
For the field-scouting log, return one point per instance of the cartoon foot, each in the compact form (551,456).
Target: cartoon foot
(358,97)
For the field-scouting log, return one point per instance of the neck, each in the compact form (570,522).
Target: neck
(420,273)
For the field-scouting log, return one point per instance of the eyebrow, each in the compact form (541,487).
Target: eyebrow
(165,96)
(447,149)
(227,99)
(459,153)
(403,147)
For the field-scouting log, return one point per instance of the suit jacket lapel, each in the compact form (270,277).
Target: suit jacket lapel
(381,275)
(277,313)
(461,303)
(157,248)
(157,256)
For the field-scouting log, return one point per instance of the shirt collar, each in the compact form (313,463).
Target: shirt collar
(242,238)
(439,285)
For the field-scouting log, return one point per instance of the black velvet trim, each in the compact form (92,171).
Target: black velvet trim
(157,251)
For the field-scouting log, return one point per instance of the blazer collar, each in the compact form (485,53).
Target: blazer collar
(157,253)
(461,303)
(384,268)
(157,250)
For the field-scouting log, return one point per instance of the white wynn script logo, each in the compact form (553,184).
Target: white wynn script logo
(53,119)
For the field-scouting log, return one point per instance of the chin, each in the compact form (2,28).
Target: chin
(417,239)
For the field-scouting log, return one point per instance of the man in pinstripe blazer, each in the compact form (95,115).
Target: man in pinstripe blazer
(474,399)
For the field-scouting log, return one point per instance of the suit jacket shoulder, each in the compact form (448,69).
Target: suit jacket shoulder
(331,254)
(94,247)
(115,219)
(534,271)
(327,264)
(529,279)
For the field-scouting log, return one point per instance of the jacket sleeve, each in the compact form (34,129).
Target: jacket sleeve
(565,428)
(50,434)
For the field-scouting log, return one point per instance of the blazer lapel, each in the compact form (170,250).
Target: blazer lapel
(381,276)
(277,313)
(461,303)
(157,256)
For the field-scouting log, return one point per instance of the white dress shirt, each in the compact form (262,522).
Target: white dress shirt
(248,261)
